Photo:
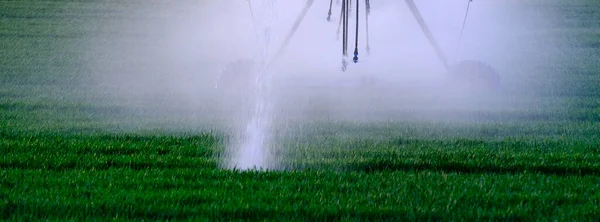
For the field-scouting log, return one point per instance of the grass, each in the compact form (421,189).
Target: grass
(71,152)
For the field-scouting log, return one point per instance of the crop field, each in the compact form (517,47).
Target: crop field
(73,148)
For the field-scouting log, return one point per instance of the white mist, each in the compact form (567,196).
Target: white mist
(251,151)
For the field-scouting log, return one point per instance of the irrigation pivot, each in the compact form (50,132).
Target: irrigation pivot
(473,74)
(249,81)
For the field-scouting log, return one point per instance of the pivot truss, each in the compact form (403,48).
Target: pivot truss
(345,14)
(343,24)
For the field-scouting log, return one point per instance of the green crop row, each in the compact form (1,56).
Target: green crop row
(224,194)
(70,149)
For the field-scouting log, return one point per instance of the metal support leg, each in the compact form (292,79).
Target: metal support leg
(427,32)
(291,33)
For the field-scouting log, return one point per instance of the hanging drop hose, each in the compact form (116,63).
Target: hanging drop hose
(349,9)
(462,29)
(368,11)
(346,28)
(355,59)
(329,12)
(342,19)
(344,34)
(340,24)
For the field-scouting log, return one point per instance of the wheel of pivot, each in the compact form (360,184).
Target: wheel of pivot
(474,76)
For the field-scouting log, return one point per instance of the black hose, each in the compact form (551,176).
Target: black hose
(345,33)
(349,9)
(346,4)
(355,59)
(329,13)
(368,11)
(343,19)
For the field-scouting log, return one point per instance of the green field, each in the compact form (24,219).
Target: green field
(72,148)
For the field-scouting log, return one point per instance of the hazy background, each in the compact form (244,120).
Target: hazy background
(159,60)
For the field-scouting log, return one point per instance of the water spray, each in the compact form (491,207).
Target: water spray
(251,151)
(465,71)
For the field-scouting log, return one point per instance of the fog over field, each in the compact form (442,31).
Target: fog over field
(168,56)
(161,109)
(162,61)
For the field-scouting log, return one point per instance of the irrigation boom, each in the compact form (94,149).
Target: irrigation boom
(347,3)
(463,70)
